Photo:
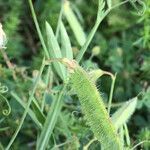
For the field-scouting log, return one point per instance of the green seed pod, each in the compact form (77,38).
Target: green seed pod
(93,107)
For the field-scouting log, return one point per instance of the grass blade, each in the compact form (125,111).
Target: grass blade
(30,112)
(50,122)
(37,111)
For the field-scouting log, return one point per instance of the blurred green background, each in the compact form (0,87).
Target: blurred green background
(124,42)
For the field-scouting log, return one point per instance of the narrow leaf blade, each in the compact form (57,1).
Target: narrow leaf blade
(30,112)
(65,41)
(74,24)
(54,51)
(50,121)
(123,114)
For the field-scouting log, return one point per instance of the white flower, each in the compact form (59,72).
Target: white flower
(3,38)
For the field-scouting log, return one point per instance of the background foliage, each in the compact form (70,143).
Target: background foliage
(123,40)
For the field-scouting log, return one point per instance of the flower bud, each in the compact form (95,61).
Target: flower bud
(95,50)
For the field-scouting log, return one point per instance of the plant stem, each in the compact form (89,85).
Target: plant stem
(127,134)
(38,29)
(86,147)
(111,92)
(94,29)
(139,144)
(90,36)
(119,4)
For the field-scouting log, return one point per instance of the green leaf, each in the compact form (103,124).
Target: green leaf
(122,115)
(30,112)
(74,24)
(37,111)
(65,42)
(54,51)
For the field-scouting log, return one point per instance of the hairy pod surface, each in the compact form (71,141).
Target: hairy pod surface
(94,109)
